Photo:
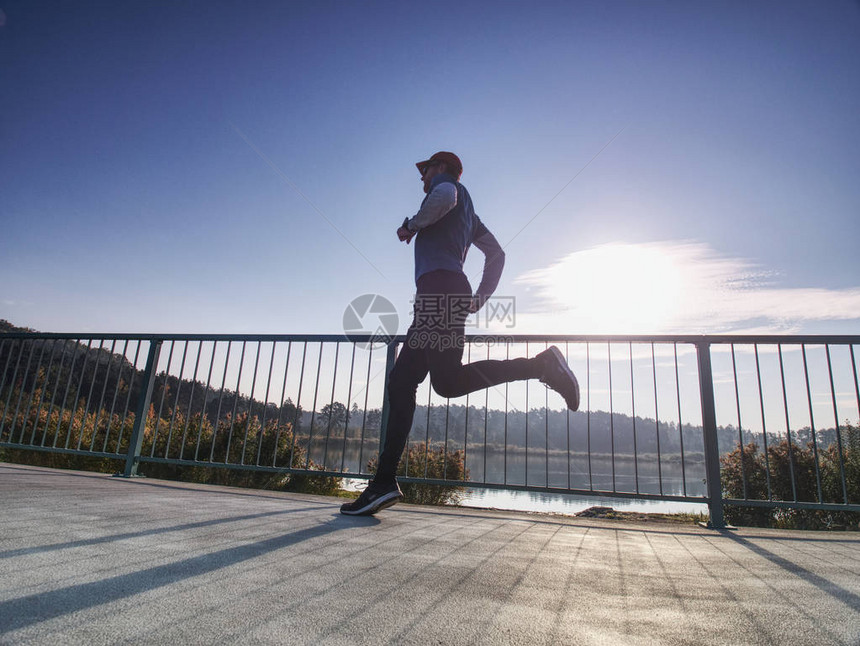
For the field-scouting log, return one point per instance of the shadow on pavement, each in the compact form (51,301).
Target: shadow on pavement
(837,592)
(190,487)
(149,532)
(26,611)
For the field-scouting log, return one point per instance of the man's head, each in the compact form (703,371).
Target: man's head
(441,162)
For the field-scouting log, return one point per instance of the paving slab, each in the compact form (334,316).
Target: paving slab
(91,559)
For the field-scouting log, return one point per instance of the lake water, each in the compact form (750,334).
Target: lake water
(571,504)
(557,469)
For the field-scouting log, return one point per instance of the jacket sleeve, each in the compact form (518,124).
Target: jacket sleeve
(494,261)
(442,199)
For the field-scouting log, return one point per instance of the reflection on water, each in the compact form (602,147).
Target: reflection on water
(570,504)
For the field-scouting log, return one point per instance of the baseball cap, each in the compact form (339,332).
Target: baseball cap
(450,159)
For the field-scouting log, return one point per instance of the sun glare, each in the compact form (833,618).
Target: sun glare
(617,288)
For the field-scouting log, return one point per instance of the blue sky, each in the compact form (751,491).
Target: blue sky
(242,167)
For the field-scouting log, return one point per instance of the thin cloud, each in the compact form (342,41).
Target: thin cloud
(670,287)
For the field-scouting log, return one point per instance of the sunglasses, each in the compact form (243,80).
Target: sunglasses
(427,167)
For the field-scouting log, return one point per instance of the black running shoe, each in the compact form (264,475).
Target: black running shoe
(557,375)
(373,499)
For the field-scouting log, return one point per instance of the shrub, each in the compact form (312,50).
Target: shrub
(438,464)
(792,471)
(240,441)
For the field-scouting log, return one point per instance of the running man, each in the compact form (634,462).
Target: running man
(444,228)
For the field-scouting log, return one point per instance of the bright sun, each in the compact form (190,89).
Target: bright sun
(616,289)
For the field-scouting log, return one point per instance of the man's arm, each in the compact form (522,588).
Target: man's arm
(494,262)
(441,199)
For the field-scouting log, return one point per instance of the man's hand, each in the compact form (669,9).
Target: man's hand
(404,234)
(475,304)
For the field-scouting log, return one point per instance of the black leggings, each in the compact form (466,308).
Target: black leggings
(434,344)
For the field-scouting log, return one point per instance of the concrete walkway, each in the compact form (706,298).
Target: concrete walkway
(90,559)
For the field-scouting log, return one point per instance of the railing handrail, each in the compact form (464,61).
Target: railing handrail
(740,339)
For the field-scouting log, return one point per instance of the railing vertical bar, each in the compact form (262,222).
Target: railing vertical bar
(611,414)
(314,408)
(33,388)
(445,453)
(249,418)
(136,441)
(466,432)
(216,423)
(191,401)
(588,413)
(546,428)
(262,434)
(59,374)
(787,424)
(505,451)
(176,399)
(130,389)
(657,420)
(21,395)
(331,405)
(164,386)
(100,408)
(281,404)
(486,421)
(11,385)
(205,402)
(236,396)
(426,437)
(296,421)
(62,411)
(42,390)
(526,482)
(838,431)
(740,426)
(763,424)
(633,405)
(709,431)
(78,394)
(390,359)
(97,363)
(856,383)
(348,406)
(812,425)
(3,343)
(567,358)
(120,363)
(680,423)
(364,412)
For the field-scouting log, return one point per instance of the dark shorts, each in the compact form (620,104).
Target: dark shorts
(441,308)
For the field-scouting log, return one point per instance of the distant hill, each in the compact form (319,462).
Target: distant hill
(6,326)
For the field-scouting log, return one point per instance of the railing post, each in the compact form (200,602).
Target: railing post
(709,428)
(132,459)
(390,358)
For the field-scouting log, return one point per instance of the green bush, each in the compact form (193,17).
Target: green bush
(745,474)
(438,464)
(238,441)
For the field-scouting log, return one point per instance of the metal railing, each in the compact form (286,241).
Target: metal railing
(755,421)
